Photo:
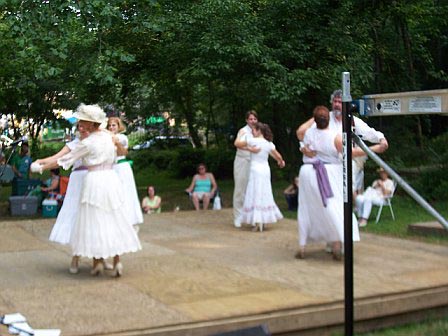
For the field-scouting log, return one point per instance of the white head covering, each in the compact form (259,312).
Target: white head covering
(92,113)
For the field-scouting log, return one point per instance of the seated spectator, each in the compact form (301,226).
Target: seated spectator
(202,188)
(358,175)
(21,163)
(51,185)
(152,203)
(292,194)
(375,194)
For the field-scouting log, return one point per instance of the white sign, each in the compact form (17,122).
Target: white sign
(425,104)
(390,106)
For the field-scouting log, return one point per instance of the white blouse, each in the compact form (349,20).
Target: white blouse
(123,139)
(97,148)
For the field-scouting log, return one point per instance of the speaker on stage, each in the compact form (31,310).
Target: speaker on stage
(261,330)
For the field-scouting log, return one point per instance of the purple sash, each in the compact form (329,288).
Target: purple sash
(322,181)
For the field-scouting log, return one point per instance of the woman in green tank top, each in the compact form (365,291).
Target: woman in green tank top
(203,187)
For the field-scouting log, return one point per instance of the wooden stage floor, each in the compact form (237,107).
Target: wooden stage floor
(198,275)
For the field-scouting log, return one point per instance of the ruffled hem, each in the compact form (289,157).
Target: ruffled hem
(261,214)
(104,255)
(102,234)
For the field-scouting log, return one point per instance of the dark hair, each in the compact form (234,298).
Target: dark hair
(55,171)
(24,148)
(201,165)
(293,182)
(321,116)
(150,187)
(265,130)
(320,108)
(251,112)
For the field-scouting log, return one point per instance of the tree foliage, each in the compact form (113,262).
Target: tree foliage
(209,61)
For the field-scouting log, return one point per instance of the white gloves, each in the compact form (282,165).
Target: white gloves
(36,168)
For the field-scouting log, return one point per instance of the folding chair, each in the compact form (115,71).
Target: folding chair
(212,199)
(386,202)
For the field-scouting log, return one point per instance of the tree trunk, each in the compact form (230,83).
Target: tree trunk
(211,115)
(186,103)
(419,138)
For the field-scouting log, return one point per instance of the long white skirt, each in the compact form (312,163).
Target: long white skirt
(132,203)
(66,219)
(102,228)
(259,205)
(317,223)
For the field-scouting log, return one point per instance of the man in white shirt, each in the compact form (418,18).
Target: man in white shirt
(364,131)
(241,167)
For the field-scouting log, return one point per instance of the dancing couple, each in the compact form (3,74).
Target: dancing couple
(95,217)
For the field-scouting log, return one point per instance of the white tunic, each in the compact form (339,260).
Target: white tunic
(241,166)
(102,229)
(317,223)
(366,133)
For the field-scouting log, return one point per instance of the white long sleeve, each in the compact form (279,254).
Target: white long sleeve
(77,153)
(366,132)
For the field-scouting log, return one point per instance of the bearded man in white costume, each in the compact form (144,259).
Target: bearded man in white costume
(241,167)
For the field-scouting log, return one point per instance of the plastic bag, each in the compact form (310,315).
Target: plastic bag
(217,203)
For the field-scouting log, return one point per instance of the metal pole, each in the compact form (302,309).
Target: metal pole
(8,159)
(411,192)
(348,202)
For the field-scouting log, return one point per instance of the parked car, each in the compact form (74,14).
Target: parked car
(143,145)
(165,142)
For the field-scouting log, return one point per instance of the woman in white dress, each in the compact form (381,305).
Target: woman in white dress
(259,206)
(321,211)
(124,171)
(102,228)
(66,219)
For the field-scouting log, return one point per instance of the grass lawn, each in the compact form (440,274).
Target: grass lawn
(436,327)
(171,190)
(406,210)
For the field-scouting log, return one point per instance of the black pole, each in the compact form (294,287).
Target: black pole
(8,159)
(348,202)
